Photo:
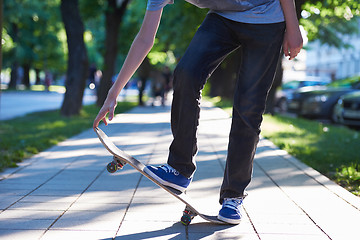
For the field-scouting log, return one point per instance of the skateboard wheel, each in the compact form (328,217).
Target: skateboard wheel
(186,220)
(188,215)
(120,163)
(112,167)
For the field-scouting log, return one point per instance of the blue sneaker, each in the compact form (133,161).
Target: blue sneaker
(231,210)
(168,176)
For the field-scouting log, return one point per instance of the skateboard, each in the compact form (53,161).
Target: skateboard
(121,158)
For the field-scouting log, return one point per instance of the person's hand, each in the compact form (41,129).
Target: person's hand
(292,44)
(108,107)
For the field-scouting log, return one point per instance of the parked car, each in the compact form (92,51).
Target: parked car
(319,101)
(347,109)
(284,94)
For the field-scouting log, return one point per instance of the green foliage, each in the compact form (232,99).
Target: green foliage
(92,12)
(178,25)
(34,33)
(349,177)
(22,137)
(7,42)
(329,20)
(33,27)
(129,28)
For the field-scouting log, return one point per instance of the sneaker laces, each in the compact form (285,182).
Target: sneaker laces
(169,169)
(232,203)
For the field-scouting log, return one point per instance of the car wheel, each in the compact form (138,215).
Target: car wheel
(335,114)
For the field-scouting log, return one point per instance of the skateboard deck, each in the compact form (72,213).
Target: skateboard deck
(121,158)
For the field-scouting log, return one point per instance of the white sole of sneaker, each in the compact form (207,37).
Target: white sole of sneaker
(229,220)
(165,183)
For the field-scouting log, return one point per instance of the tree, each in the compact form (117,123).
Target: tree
(113,16)
(176,31)
(77,67)
(122,17)
(104,18)
(31,37)
(329,20)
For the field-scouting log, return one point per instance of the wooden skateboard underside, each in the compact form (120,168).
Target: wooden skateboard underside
(115,151)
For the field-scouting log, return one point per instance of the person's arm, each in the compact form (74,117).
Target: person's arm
(140,47)
(293,41)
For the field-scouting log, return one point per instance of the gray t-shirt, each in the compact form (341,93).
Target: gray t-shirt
(270,12)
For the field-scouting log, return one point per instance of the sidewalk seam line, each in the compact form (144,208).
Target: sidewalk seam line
(312,220)
(252,224)
(52,224)
(337,195)
(288,157)
(39,186)
(136,187)
(223,168)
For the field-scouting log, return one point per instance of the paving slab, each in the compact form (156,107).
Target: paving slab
(66,192)
(10,234)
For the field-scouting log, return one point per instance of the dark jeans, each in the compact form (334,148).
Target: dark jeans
(215,39)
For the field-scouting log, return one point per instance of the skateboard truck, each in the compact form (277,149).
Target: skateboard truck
(187,216)
(121,158)
(115,165)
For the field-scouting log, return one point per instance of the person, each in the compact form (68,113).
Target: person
(158,87)
(260,32)
(47,80)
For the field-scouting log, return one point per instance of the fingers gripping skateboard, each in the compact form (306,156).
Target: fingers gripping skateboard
(115,165)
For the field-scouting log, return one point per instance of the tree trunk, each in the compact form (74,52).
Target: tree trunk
(26,76)
(77,68)
(15,65)
(113,17)
(13,75)
(37,77)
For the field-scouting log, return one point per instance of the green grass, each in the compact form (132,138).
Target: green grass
(52,88)
(38,88)
(23,137)
(332,150)
(346,82)
(222,103)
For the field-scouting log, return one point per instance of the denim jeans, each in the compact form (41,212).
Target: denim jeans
(216,38)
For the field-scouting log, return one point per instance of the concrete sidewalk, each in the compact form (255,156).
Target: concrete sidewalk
(66,193)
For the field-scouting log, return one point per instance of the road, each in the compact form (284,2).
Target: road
(19,103)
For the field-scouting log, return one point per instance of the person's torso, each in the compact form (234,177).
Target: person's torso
(247,11)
